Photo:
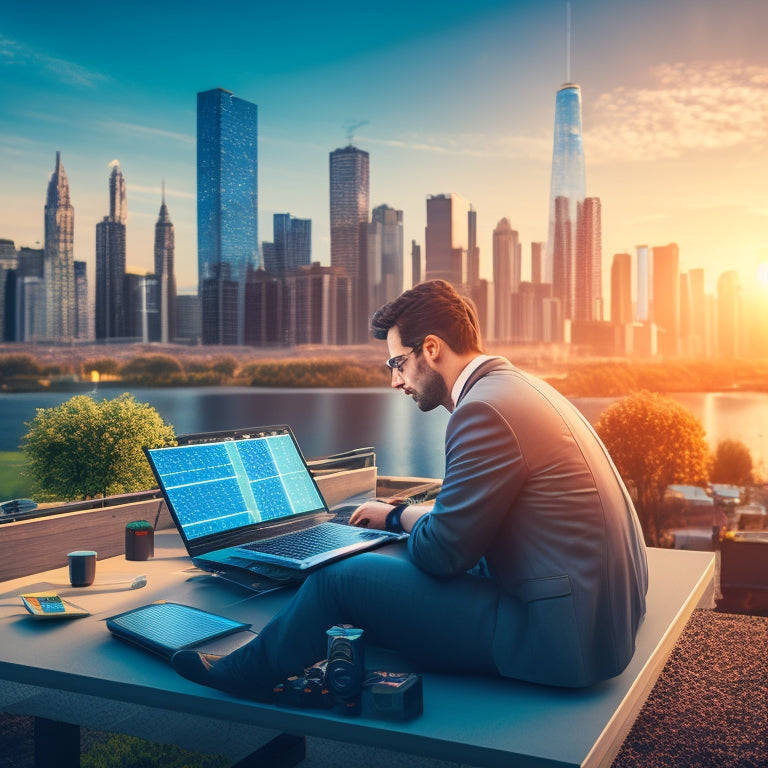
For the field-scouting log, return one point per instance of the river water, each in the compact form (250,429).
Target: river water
(407,442)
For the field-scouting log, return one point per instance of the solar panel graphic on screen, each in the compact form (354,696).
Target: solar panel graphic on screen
(218,487)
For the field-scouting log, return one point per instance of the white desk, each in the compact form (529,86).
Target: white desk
(476,721)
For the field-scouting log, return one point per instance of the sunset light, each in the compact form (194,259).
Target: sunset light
(762,275)
(675,104)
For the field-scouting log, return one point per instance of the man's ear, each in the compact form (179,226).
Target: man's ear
(431,347)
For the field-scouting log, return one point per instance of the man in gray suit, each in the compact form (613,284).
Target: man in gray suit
(530,564)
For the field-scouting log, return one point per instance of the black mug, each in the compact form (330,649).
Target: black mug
(82,567)
(139,540)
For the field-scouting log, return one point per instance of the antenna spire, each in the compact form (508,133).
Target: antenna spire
(568,41)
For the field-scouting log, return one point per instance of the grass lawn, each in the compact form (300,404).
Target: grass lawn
(13,485)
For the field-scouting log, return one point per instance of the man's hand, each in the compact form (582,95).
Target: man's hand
(372,514)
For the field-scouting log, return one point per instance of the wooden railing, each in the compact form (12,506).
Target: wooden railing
(42,543)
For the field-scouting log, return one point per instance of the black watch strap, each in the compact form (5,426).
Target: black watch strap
(392,522)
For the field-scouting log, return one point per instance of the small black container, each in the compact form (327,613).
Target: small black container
(139,540)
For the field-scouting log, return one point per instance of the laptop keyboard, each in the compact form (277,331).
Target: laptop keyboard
(312,541)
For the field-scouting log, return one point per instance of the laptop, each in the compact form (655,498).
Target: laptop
(245,500)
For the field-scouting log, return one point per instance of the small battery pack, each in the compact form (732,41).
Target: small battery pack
(392,695)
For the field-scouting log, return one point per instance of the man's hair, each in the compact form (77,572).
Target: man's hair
(432,307)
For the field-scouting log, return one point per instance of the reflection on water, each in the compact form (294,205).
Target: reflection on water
(724,415)
(407,441)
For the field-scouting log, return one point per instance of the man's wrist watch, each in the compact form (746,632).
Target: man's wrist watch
(392,523)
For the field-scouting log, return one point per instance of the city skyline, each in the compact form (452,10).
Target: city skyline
(674,99)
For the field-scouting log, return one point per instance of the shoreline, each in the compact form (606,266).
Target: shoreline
(49,368)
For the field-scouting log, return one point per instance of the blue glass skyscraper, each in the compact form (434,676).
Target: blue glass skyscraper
(568,176)
(227,211)
(350,209)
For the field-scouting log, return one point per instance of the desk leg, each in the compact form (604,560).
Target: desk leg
(57,745)
(284,751)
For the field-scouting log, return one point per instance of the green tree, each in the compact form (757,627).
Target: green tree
(654,442)
(732,463)
(85,449)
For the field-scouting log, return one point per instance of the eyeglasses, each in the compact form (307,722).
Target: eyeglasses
(396,363)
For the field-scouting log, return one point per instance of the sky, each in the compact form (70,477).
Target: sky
(446,96)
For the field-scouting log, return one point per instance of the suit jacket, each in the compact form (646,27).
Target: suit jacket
(530,488)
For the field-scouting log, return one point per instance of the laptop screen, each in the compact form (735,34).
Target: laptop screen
(222,483)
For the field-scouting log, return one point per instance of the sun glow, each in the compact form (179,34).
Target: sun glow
(762,274)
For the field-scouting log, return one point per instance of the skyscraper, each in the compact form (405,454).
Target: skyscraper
(416,271)
(588,272)
(562,257)
(29,296)
(292,241)
(164,272)
(227,211)
(621,289)
(536,263)
(644,284)
(350,206)
(447,238)
(82,305)
(9,259)
(473,252)
(666,297)
(110,261)
(568,177)
(316,300)
(506,277)
(58,261)
(388,224)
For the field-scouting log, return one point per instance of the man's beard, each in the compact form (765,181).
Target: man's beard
(432,390)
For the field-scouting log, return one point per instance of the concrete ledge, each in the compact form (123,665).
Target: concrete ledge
(470,720)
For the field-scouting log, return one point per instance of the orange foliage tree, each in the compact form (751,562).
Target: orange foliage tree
(732,463)
(654,442)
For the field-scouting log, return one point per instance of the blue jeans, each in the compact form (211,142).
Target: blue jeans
(437,624)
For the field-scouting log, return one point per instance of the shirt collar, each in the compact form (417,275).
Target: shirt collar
(468,370)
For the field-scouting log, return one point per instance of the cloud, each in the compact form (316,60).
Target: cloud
(691,106)
(474,145)
(156,192)
(145,130)
(16,54)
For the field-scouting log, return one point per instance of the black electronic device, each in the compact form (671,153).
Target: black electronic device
(164,628)
(245,498)
(344,669)
(393,695)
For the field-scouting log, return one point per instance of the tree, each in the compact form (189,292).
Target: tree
(654,442)
(106,366)
(732,463)
(85,449)
(13,366)
(149,370)
(226,365)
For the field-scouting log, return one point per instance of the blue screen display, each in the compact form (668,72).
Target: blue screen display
(215,487)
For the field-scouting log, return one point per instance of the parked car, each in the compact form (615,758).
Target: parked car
(14,506)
